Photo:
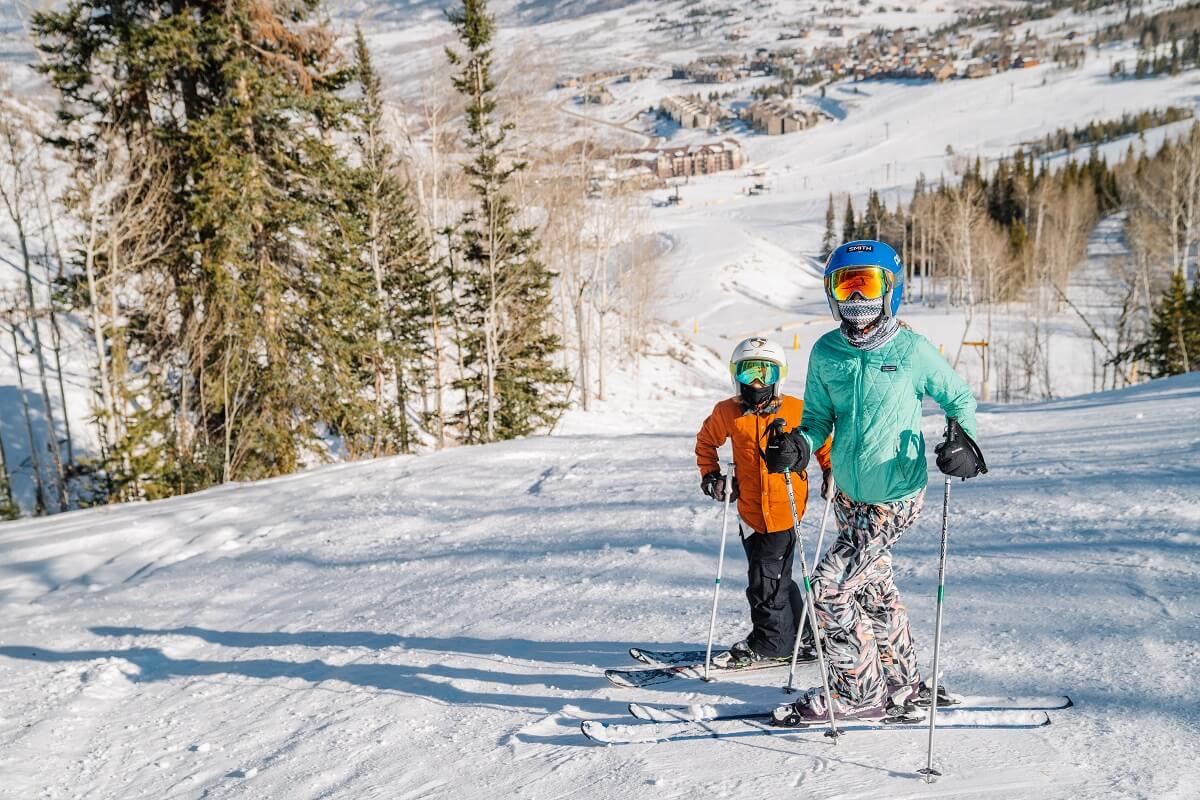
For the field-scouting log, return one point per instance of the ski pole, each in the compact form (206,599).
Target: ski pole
(790,688)
(821,538)
(712,622)
(929,772)
(810,605)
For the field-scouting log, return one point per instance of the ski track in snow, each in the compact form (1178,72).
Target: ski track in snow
(437,626)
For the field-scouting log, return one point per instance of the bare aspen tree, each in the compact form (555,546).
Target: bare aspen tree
(613,228)
(427,137)
(47,211)
(563,195)
(991,258)
(120,206)
(16,191)
(965,216)
(92,206)
(10,312)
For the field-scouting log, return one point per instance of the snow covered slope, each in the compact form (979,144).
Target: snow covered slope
(436,626)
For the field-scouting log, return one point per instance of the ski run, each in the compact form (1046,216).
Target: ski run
(439,626)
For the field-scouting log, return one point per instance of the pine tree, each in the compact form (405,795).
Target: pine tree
(849,226)
(512,388)
(401,267)
(1173,345)
(236,344)
(828,241)
(873,217)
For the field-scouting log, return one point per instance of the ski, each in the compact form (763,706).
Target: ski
(668,658)
(691,668)
(637,678)
(698,713)
(950,719)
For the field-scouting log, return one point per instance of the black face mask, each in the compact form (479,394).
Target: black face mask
(755,397)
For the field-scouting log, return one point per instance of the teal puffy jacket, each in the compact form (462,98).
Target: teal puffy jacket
(871,401)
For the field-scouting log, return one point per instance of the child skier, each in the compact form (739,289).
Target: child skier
(758,368)
(865,383)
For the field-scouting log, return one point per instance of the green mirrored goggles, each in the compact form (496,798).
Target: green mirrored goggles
(751,370)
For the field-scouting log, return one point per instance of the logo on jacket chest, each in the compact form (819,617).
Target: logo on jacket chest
(888,368)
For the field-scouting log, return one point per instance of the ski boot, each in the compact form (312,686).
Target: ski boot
(944,698)
(742,655)
(900,705)
(810,709)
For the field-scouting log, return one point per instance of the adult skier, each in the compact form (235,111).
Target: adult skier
(866,381)
(758,368)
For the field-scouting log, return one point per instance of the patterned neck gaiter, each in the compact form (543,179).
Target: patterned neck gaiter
(864,325)
(860,313)
(873,337)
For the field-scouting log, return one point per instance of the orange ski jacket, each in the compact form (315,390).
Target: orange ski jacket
(762,497)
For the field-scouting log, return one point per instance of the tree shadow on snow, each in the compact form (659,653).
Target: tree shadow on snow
(435,680)
(432,681)
(574,653)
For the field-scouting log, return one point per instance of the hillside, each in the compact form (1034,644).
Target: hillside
(436,626)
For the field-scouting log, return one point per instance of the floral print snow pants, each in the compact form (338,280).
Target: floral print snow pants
(868,644)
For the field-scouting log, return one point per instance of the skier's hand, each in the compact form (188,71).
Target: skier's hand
(828,488)
(958,456)
(713,485)
(787,451)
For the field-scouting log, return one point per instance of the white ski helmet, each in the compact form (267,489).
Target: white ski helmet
(757,348)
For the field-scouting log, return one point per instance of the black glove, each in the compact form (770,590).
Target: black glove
(827,486)
(713,485)
(959,456)
(786,450)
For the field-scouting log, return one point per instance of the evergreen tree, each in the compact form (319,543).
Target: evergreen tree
(402,270)
(1173,345)
(238,343)
(511,388)
(849,226)
(1000,194)
(873,217)
(828,240)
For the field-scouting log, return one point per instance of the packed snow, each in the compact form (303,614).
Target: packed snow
(437,625)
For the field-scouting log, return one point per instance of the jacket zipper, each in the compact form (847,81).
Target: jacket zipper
(766,499)
(858,388)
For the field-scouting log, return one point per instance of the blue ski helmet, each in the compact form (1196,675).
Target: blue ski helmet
(868,253)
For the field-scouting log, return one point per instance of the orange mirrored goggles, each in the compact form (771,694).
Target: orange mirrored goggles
(869,283)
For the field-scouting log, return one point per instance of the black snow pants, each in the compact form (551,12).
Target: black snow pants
(776,602)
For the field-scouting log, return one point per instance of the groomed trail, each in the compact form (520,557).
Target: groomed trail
(437,626)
